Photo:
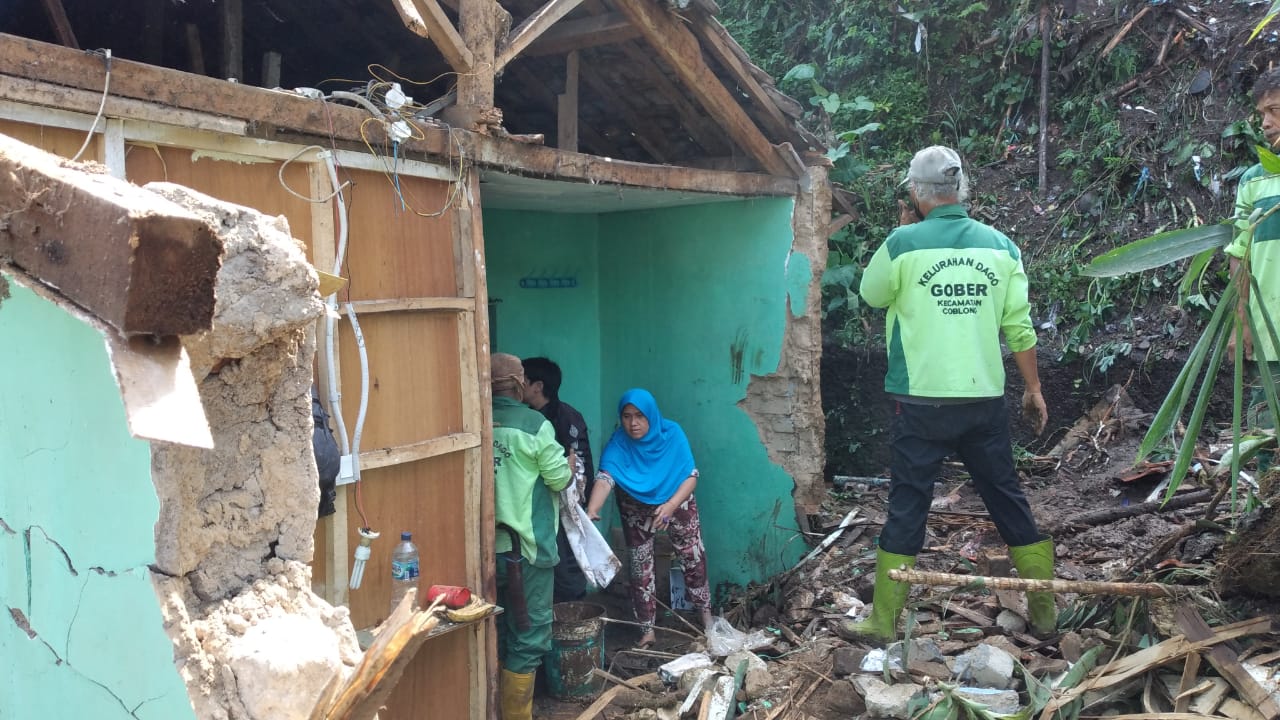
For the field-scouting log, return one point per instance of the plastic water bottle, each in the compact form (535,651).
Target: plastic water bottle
(404,569)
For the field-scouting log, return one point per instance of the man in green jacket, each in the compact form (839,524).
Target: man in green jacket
(952,286)
(1259,192)
(530,470)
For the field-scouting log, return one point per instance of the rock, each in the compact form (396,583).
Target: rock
(843,701)
(800,605)
(764,616)
(847,661)
(929,668)
(757,682)
(986,666)
(1005,644)
(1040,666)
(922,649)
(1011,622)
(282,664)
(1072,646)
(754,662)
(999,702)
(886,701)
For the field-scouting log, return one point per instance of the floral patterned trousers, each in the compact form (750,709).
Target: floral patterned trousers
(685,532)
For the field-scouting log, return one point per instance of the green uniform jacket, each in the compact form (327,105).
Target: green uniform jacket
(951,285)
(1259,190)
(530,470)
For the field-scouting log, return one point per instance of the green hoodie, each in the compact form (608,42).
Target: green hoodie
(530,470)
(1260,190)
(951,285)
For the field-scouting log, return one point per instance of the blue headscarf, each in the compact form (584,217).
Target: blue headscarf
(652,468)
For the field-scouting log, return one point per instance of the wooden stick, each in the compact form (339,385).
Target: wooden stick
(655,627)
(607,697)
(616,680)
(1084,587)
(701,632)
(1124,30)
(1101,517)
(1225,662)
(1042,165)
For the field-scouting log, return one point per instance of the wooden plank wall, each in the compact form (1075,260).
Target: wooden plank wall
(414,286)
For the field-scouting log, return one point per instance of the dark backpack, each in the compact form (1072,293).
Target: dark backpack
(328,457)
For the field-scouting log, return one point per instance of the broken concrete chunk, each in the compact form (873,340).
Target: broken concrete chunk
(671,672)
(753,661)
(886,701)
(922,649)
(757,682)
(1011,622)
(999,702)
(282,664)
(986,666)
(847,660)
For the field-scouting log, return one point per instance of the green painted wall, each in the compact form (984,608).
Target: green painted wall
(78,511)
(695,303)
(562,324)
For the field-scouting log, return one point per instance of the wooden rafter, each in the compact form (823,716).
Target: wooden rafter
(529,30)
(717,39)
(704,131)
(535,88)
(570,35)
(644,133)
(425,18)
(680,50)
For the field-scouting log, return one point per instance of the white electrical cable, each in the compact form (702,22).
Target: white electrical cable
(106,91)
(331,315)
(364,390)
(357,99)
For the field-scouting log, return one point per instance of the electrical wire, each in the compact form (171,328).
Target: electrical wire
(284,184)
(102,106)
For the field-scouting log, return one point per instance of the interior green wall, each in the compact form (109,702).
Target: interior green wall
(78,512)
(562,324)
(696,304)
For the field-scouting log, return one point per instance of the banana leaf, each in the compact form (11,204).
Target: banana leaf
(1157,250)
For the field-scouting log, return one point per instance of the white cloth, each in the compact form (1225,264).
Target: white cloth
(591,550)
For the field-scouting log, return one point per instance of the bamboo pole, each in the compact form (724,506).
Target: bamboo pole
(1084,587)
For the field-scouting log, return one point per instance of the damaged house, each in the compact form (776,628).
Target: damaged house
(609,183)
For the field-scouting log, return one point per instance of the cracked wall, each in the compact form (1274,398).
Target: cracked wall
(81,625)
(152,580)
(786,404)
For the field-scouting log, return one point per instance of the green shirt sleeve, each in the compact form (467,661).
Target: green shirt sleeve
(879,282)
(1019,334)
(553,466)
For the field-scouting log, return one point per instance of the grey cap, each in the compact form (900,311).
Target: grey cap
(936,165)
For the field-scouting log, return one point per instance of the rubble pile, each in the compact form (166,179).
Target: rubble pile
(1162,643)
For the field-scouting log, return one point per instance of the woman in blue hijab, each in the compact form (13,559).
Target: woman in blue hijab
(649,461)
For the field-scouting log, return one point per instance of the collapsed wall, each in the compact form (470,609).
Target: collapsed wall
(786,405)
(235,527)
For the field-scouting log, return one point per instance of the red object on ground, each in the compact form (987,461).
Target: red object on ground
(452,596)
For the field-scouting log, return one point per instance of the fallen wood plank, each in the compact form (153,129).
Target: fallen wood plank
(1190,673)
(1163,653)
(1084,587)
(1225,662)
(593,711)
(142,264)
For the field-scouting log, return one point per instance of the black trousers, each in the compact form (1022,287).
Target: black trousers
(570,582)
(924,436)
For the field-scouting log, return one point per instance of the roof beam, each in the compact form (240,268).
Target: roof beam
(141,263)
(714,36)
(680,49)
(302,120)
(585,33)
(425,18)
(529,30)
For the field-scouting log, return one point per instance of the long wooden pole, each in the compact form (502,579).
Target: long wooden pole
(1083,587)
